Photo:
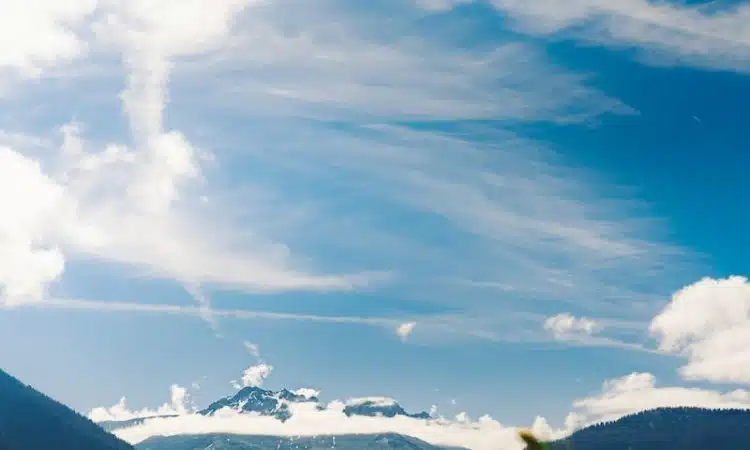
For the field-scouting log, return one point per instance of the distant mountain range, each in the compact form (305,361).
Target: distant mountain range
(658,429)
(29,420)
(276,404)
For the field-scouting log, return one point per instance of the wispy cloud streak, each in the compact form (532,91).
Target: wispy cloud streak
(710,35)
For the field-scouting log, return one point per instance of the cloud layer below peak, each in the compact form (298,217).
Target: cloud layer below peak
(618,397)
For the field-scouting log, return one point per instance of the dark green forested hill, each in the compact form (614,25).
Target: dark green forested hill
(666,429)
(29,420)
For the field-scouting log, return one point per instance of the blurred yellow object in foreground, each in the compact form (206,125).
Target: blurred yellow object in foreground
(532,443)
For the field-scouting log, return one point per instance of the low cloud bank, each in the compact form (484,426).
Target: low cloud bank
(617,397)
(482,434)
(177,405)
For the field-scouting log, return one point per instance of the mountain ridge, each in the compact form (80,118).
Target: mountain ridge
(253,399)
(30,420)
(684,428)
(276,404)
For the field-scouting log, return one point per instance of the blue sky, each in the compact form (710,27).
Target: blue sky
(531,184)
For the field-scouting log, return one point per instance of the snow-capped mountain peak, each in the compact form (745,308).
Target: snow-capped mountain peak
(276,403)
(261,401)
(378,406)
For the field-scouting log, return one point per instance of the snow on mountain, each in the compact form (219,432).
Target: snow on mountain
(262,401)
(378,406)
(276,404)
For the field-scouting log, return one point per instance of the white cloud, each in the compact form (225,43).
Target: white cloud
(321,60)
(81,207)
(29,259)
(132,205)
(308,420)
(177,405)
(484,433)
(167,26)
(440,5)
(705,35)
(252,348)
(520,220)
(256,374)
(588,332)
(21,140)
(405,329)
(242,314)
(709,323)
(377,401)
(618,397)
(37,34)
(638,392)
(150,34)
(141,205)
(565,323)
(307,392)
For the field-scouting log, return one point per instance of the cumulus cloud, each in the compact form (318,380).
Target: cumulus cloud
(565,323)
(617,397)
(37,35)
(307,420)
(254,375)
(136,204)
(30,258)
(82,207)
(638,392)
(405,329)
(708,322)
(177,405)
(307,392)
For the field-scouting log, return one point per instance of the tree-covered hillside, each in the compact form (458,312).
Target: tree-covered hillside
(666,428)
(29,420)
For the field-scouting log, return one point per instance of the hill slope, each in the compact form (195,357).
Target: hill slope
(29,420)
(666,428)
